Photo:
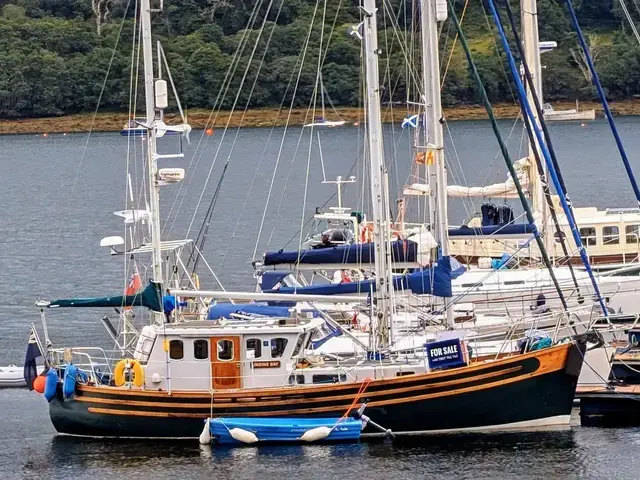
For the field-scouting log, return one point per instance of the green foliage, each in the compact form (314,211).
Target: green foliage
(54,57)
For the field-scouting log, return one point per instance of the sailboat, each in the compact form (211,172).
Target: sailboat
(321,121)
(182,373)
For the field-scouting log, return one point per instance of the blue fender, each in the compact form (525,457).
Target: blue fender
(51,383)
(69,382)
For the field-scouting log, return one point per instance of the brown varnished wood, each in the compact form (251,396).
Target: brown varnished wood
(550,359)
(298,401)
(226,374)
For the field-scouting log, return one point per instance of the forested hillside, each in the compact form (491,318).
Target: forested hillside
(54,54)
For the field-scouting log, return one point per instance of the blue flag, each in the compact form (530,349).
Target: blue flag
(30,367)
(411,121)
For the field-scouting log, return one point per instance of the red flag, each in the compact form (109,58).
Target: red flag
(134,282)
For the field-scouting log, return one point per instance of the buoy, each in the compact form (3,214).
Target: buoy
(209,131)
(315,434)
(356,124)
(242,435)
(45,134)
(69,381)
(583,124)
(39,383)
(51,384)
(205,436)
(64,134)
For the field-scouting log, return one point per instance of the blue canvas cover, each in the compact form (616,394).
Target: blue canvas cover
(433,281)
(401,251)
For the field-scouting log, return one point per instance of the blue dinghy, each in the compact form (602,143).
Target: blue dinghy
(250,430)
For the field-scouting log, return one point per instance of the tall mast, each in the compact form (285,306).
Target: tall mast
(433,11)
(152,166)
(378,175)
(531,45)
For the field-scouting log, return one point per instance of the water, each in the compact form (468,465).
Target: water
(57,197)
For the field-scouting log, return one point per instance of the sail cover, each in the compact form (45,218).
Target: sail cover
(496,231)
(150,297)
(401,251)
(430,281)
(224,310)
(506,189)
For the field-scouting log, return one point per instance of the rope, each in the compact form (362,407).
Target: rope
(526,109)
(363,386)
(453,46)
(536,153)
(503,147)
(102,89)
(603,100)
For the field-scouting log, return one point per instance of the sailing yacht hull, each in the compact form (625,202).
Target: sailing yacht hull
(535,389)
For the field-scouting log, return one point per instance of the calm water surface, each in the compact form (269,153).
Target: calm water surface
(58,194)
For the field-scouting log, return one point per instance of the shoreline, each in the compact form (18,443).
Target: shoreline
(113,122)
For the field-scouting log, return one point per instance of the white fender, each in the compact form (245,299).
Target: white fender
(315,434)
(242,435)
(205,436)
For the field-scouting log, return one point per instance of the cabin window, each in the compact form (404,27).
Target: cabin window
(329,378)
(633,232)
(588,236)
(514,282)
(610,235)
(200,349)
(254,348)
(176,350)
(278,346)
(299,343)
(225,350)
(404,374)
(471,285)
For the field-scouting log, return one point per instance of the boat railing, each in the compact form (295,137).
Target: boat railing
(83,358)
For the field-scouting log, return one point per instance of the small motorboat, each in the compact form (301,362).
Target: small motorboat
(249,430)
(12,376)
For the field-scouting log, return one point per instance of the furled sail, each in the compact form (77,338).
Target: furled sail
(150,297)
(502,190)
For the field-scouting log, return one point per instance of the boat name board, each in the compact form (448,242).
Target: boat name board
(268,364)
(445,354)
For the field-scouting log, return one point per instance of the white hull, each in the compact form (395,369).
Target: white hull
(12,377)
(569,115)
(540,423)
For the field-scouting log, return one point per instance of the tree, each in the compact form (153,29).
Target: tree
(596,48)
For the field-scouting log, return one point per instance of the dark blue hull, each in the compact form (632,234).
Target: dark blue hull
(531,390)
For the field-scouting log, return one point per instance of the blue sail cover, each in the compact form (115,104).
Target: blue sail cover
(401,251)
(493,230)
(150,297)
(224,310)
(270,278)
(433,281)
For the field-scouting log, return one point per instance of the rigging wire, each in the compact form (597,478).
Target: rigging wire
(202,234)
(503,147)
(102,89)
(211,120)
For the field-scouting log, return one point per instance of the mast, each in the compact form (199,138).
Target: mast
(433,11)
(378,175)
(531,45)
(152,159)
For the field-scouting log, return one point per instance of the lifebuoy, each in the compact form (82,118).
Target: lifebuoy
(134,365)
